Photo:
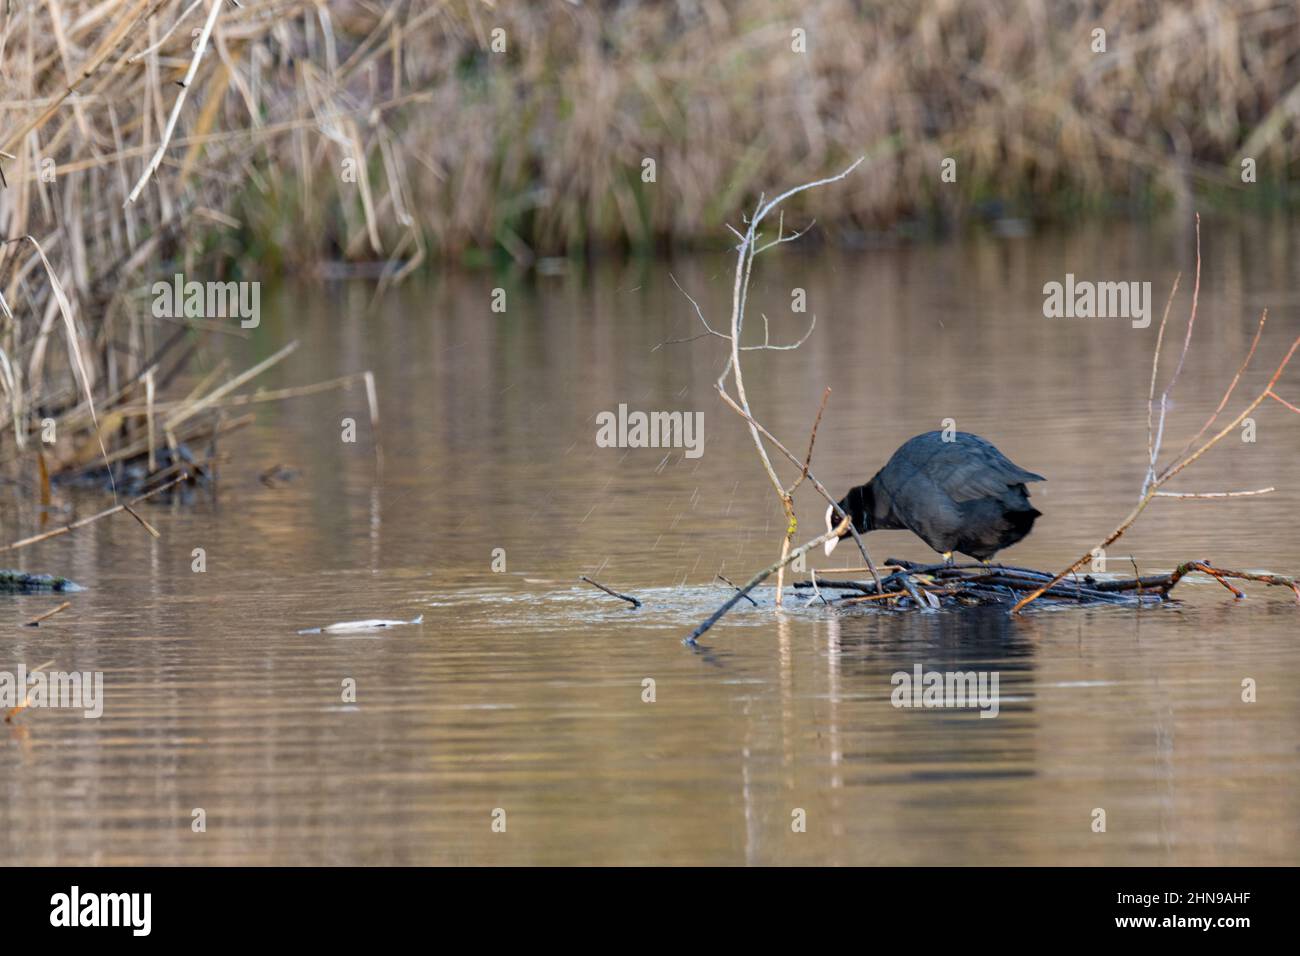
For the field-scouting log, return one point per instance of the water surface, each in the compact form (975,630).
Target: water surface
(522,689)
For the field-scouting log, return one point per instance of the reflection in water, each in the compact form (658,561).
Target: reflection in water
(523,689)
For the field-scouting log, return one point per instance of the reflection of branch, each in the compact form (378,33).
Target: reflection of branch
(1157,477)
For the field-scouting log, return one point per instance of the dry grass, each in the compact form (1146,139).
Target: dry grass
(113,182)
(234,160)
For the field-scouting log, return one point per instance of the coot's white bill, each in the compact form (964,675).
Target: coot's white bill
(830,542)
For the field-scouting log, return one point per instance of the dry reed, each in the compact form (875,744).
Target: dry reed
(144,137)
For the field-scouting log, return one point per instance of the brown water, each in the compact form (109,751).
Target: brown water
(522,689)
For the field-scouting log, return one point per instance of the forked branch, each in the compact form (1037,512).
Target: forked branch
(748,249)
(1157,477)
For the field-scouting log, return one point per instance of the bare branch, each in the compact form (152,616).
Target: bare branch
(610,591)
(820,488)
(745,253)
(764,210)
(776,348)
(1151,394)
(790,238)
(708,330)
(1214,494)
(812,439)
(691,338)
(1273,395)
(1154,481)
(1182,355)
(1259,329)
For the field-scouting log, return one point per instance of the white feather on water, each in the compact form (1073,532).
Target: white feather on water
(352,627)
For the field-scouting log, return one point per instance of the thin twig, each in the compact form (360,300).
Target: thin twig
(1182,355)
(25,542)
(1259,330)
(1170,471)
(1151,393)
(787,494)
(820,488)
(36,621)
(631,600)
(747,597)
(1214,494)
(872,597)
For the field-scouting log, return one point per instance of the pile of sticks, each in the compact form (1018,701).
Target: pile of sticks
(910,584)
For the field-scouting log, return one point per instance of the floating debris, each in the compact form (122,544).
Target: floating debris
(352,627)
(20,582)
(36,621)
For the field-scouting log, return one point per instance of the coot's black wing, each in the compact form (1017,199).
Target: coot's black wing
(964,469)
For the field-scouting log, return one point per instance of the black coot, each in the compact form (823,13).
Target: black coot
(956,495)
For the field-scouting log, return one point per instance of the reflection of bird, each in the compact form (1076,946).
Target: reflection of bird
(956,494)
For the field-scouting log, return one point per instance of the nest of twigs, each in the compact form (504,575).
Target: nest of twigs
(910,584)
